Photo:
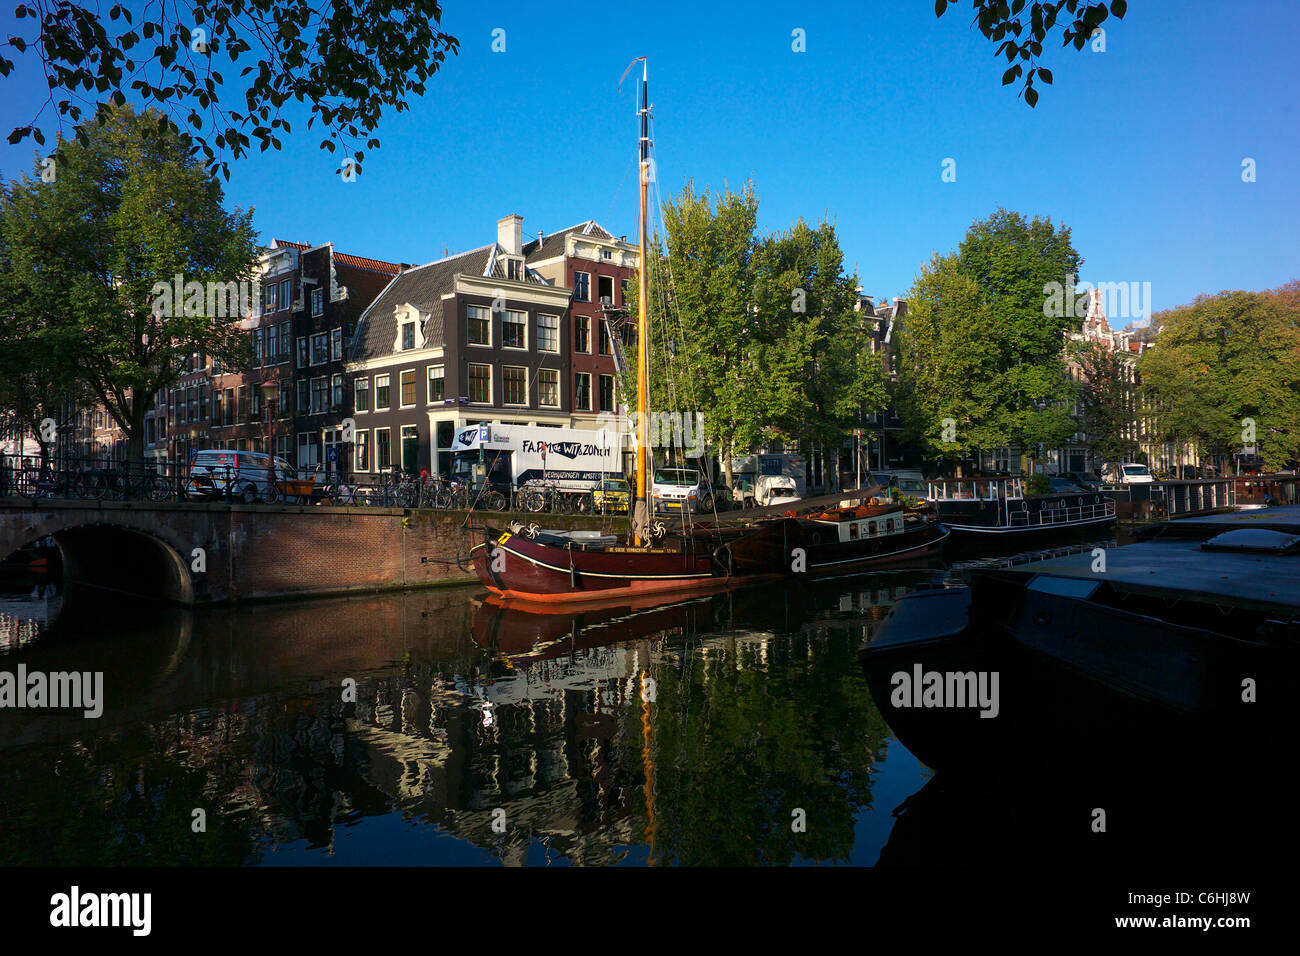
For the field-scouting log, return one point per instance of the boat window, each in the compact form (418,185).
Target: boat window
(1013,488)
(871,528)
(853,530)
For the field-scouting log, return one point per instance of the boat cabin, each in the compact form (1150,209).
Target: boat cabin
(865,521)
(976,489)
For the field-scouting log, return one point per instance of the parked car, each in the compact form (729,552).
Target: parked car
(1088,481)
(680,489)
(612,495)
(242,475)
(1126,473)
(1064,485)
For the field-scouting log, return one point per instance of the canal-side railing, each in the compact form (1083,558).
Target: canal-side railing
(1047,516)
(1174,499)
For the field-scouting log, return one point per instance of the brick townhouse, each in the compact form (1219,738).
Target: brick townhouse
(476,337)
(292,396)
(599,269)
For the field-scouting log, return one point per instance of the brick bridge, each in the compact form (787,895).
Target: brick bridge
(195,554)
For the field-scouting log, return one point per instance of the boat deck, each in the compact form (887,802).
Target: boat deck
(1175,565)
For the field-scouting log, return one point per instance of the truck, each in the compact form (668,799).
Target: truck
(507,457)
(765,464)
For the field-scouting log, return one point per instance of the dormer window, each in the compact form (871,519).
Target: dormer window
(514,268)
(408,336)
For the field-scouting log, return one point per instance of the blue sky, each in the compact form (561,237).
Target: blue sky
(1138,149)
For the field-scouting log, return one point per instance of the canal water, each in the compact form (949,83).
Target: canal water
(436,728)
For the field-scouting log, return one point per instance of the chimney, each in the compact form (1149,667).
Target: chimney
(510,234)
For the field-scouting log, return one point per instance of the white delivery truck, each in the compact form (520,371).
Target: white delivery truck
(509,456)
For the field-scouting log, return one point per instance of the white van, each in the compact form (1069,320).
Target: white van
(1126,473)
(776,490)
(217,473)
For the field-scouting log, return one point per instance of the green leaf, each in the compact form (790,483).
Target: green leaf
(1031,96)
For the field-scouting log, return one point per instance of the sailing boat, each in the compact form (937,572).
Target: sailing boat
(581,566)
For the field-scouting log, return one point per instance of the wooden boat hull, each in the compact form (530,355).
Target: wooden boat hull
(522,570)
(834,558)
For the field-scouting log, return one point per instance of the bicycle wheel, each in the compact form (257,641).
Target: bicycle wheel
(494,501)
(534,501)
(158,489)
(271,493)
(583,504)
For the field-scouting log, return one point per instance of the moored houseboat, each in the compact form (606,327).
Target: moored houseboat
(1001,507)
(850,540)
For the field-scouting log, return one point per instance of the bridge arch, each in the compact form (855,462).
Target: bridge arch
(116,556)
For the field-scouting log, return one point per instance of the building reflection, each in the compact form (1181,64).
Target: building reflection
(462,709)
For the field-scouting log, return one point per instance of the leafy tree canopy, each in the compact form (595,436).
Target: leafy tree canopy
(1020,29)
(760,333)
(87,253)
(982,360)
(349,61)
(1226,366)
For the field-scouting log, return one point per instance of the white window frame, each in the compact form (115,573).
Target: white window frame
(514,348)
(359,385)
(576,273)
(576,320)
(590,402)
(374,451)
(428,383)
(311,349)
(505,391)
(317,302)
(336,345)
(548,371)
(469,377)
(360,438)
(478,345)
(540,317)
(414,386)
(374,397)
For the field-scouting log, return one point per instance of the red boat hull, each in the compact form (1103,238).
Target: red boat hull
(518,569)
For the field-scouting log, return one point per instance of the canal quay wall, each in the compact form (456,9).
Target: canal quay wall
(202,554)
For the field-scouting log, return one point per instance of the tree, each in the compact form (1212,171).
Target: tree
(948,384)
(758,334)
(1107,406)
(1020,28)
(701,325)
(348,61)
(1224,372)
(982,357)
(94,257)
(37,380)
(819,374)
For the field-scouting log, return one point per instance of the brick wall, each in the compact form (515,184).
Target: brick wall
(255,552)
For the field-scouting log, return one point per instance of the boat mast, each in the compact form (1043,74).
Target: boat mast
(641,514)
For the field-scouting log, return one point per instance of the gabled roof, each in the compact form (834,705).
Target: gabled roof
(423,287)
(343,258)
(553,245)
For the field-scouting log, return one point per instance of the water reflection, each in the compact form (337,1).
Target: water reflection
(477,734)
